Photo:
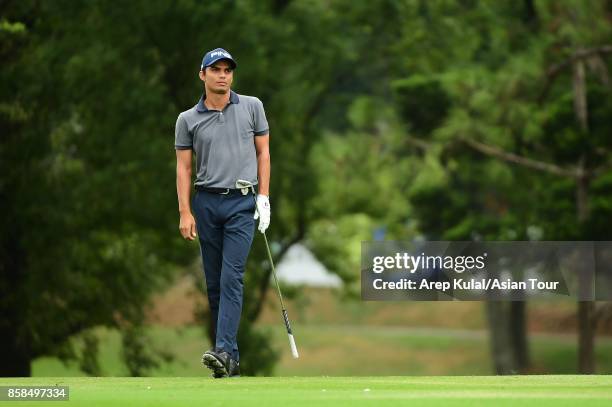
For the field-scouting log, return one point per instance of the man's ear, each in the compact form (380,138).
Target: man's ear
(202,76)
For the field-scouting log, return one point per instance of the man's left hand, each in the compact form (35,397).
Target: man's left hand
(262,212)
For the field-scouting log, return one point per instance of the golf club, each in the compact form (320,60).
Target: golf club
(242,184)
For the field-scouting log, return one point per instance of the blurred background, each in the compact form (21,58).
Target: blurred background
(390,120)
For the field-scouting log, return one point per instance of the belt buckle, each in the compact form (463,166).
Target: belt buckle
(244,190)
(227,191)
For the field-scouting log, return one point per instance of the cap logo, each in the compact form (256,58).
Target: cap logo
(223,54)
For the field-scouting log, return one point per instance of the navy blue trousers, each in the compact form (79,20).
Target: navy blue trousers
(225,227)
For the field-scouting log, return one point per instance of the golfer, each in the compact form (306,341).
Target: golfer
(228,133)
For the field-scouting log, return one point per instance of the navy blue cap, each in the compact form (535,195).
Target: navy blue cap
(215,55)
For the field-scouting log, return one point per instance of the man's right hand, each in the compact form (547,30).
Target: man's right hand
(187,226)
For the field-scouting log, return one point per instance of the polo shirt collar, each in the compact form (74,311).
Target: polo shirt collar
(201,107)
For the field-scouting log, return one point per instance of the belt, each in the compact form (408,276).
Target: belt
(222,191)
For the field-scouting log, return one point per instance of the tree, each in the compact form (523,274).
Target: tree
(482,154)
(78,250)
(498,114)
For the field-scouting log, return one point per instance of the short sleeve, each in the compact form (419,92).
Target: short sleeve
(261,123)
(183,140)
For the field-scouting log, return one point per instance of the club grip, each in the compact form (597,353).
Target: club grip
(287,325)
(294,351)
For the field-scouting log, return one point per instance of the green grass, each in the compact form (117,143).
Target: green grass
(321,391)
(330,350)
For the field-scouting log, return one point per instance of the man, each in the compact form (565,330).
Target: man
(228,133)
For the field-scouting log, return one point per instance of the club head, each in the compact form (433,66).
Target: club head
(243,184)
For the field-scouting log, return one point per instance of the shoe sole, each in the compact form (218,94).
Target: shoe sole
(215,365)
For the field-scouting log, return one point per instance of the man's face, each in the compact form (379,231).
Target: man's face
(218,77)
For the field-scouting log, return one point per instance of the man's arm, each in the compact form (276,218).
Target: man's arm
(262,148)
(187,224)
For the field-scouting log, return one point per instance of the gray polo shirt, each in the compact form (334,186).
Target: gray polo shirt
(223,141)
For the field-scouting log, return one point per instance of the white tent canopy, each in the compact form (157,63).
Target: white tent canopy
(300,266)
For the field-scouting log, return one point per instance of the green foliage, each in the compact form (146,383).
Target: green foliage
(138,353)
(257,353)
(337,244)
(470,70)
(423,101)
(89,360)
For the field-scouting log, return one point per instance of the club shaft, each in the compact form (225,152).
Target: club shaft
(280,296)
(278,290)
(294,350)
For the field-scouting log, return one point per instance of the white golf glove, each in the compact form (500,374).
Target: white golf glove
(262,212)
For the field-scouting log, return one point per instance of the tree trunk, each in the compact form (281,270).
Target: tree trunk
(501,343)
(14,349)
(586,309)
(531,15)
(518,330)
(586,337)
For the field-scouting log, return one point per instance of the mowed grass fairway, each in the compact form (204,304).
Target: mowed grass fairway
(542,391)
